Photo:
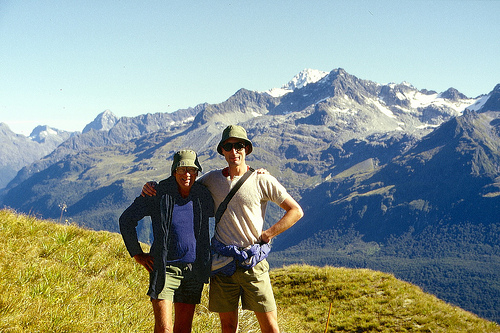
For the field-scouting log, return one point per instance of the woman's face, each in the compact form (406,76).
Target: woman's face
(185,177)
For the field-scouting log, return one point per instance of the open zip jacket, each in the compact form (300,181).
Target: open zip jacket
(160,208)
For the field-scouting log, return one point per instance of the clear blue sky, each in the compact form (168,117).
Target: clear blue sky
(64,62)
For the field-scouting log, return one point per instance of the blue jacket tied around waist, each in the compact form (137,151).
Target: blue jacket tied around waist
(246,257)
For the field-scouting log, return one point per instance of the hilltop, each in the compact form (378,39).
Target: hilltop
(63,278)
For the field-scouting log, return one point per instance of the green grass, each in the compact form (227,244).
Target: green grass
(62,278)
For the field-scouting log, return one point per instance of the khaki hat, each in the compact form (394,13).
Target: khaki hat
(185,158)
(237,132)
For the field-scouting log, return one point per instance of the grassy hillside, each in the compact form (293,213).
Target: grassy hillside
(457,263)
(62,278)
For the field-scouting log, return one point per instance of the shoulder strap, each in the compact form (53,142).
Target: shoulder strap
(223,205)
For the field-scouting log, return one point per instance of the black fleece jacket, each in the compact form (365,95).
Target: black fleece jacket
(160,208)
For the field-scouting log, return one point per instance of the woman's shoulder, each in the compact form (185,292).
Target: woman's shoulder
(166,186)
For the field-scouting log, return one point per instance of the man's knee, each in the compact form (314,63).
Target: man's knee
(268,321)
(229,321)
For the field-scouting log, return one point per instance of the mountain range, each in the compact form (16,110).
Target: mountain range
(390,177)
(17,151)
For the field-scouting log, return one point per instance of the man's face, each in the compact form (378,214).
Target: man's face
(185,177)
(234,151)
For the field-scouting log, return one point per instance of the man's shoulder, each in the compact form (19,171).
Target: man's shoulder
(265,177)
(199,187)
(210,175)
(214,172)
(270,184)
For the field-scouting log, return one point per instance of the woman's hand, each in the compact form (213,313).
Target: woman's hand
(145,260)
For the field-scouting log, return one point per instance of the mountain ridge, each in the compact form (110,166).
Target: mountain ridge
(126,128)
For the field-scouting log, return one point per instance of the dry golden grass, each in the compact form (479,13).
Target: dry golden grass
(62,278)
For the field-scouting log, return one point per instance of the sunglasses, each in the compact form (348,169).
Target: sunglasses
(238,146)
(184,170)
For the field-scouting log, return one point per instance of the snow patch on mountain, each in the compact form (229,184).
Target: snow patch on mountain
(479,102)
(300,80)
(418,99)
(182,122)
(49,135)
(40,133)
(385,110)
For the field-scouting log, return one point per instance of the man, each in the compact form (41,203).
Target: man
(179,260)
(241,227)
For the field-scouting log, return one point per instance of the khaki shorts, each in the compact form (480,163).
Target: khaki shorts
(252,285)
(181,286)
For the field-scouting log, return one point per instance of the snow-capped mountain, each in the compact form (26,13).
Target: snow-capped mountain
(46,134)
(17,150)
(357,108)
(344,93)
(298,81)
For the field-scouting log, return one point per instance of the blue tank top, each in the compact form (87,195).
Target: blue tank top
(182,241)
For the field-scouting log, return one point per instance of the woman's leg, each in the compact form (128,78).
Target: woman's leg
(162,310)
(183,317)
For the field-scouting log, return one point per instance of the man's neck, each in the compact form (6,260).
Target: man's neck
(237,170)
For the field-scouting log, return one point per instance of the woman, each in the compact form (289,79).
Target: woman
(179,259)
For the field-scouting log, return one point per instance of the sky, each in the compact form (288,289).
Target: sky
(64,62)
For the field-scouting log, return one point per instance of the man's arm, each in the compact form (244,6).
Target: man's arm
(293,214)
(149,189)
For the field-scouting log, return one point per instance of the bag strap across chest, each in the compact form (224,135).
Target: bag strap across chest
(222,207)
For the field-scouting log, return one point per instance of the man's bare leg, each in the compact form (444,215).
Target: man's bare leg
(268,321)
(229,321)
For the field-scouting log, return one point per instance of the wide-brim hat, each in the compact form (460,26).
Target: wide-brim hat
(185,158)
(237,132)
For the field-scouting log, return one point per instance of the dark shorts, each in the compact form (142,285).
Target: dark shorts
(181,285)
(252,285)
